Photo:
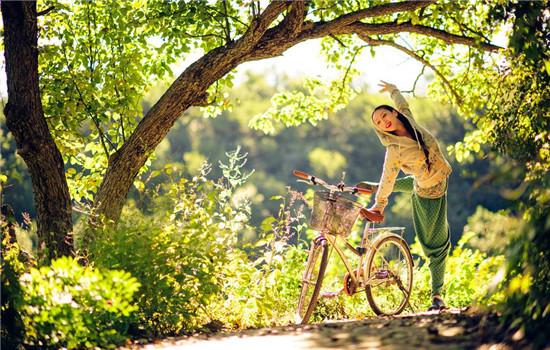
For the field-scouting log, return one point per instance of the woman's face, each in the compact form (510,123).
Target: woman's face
(386,120)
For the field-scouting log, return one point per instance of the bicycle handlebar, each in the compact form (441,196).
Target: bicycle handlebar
(340,187)
(301,174)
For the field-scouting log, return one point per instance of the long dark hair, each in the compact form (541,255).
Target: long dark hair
(415,134)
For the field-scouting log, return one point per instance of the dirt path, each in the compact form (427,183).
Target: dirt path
(453,329)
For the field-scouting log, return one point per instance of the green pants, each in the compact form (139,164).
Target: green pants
(432,229)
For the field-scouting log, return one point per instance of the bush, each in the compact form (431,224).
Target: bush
(526,283)
(180,253)
(263,283)
(490,232)
(12,332)
(67,305)
(468,276)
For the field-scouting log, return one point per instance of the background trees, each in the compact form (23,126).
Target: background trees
(97,60)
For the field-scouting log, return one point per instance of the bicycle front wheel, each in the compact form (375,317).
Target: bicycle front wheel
(312,280)
(389,271)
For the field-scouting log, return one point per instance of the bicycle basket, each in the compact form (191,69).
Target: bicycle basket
(333,213)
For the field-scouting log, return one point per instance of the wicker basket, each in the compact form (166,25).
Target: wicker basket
(333,213)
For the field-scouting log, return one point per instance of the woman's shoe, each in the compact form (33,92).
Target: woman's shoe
(437,304)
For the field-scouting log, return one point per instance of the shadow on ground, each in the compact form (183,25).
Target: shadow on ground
(452,329)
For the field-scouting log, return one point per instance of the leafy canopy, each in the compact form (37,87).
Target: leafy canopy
(98,59)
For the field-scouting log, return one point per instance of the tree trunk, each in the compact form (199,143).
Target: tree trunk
(25,119)
(188,90)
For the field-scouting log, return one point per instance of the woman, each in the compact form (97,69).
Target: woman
(412,149)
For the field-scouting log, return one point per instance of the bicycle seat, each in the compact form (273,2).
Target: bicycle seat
(371,215)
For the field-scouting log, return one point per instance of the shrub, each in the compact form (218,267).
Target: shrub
(490,231)
(468,276)
(526,283)
(180,253)
(263,285)
(12,268)
(67,305)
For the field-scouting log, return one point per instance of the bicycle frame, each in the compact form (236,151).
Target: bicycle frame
(361,251)
(375,272)
(366,244)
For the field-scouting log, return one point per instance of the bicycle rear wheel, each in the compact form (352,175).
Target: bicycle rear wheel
(312,280)
(389,271)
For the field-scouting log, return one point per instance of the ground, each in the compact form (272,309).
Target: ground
(452,329)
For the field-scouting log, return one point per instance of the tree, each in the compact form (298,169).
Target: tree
(35,144)
(97,59)
(516,122)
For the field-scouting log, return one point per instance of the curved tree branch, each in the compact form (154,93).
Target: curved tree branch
(393,28)
(274,42)
(375,42)
(187,90)
(46,11)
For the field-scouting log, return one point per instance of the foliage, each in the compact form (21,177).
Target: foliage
(92,66)
(180,253)
(469,275)
(517,124)
(16,183)
(295,107)
(527,280)
(530,34)
(490,232)
(67,305)
(263,287)
(12,331)
(97,60)
(514,119)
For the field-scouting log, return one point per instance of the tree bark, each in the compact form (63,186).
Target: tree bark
(25,119)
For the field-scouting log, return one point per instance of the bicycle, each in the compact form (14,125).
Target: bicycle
(385,267)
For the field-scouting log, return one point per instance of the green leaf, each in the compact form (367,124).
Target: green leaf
(261,243)
(414,18)
(267,224)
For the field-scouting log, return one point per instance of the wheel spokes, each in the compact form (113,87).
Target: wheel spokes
(390,274)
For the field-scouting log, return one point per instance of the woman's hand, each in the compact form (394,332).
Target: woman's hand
(387,87)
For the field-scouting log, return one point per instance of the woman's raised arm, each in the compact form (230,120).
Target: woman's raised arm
(400,103)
